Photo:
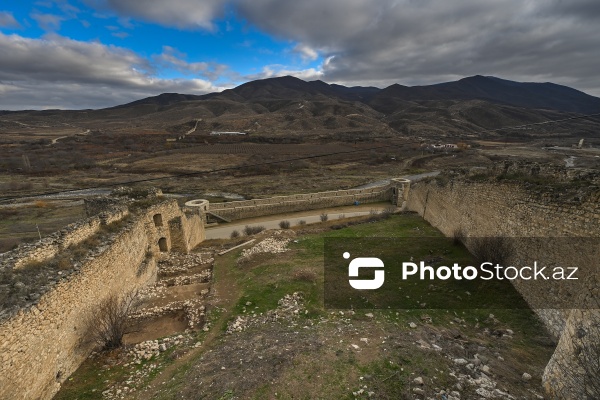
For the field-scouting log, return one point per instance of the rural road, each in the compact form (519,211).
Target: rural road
(223,231)
(382,182)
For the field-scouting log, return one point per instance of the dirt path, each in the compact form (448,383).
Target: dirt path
(224,295)
(223,231)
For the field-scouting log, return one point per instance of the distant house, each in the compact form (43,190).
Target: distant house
(218,133)
(443,147)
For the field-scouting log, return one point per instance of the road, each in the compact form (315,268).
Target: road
(383,182)
(55,140)
(223,231)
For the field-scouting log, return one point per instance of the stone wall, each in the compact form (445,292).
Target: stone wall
(43,344)
(457,205)
(235,210)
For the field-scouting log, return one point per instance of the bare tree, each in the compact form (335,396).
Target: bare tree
(107,325)
(497,250)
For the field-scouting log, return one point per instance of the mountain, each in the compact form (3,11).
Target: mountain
(548,96)
(164,99)
(544,96)
(291,106)
(292,88)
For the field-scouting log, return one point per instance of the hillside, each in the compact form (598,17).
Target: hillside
(291,106)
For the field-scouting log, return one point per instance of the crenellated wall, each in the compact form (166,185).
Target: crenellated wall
(45,342)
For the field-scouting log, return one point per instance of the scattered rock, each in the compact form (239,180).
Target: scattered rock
(418,391)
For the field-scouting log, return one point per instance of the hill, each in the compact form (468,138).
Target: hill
(291,106)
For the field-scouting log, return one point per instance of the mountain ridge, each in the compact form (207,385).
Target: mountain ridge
(532,95)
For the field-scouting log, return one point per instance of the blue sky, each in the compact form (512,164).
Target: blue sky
(99,53)
(231,41)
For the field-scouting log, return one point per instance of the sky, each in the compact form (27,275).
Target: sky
(76,54)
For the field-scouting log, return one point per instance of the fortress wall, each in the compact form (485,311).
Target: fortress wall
(53,244)
(193,230)
(283,204)
(42,345)
(514,210)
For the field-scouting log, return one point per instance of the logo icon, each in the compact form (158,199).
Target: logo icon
(365,262)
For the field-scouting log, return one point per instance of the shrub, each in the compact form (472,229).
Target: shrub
(107,325)
(324,217)
(341,216)
(41,204)
(302,222)
(235,234)
(253,230)
(305,275)
(63,263)
(385,213)
(458,235)
(496,250)
(284,224)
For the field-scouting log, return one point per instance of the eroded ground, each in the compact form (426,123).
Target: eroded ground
(267,335)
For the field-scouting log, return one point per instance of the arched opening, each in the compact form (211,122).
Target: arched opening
(157,220)
(162,244)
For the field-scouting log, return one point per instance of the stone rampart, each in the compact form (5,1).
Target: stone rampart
(42,344)
(236,210)
(457,205)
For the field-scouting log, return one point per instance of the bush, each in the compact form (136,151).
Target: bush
(302,222)
(305,275)
(496,250)
(107,325)
(341,216)
(41,204)
(458,235)
(235,234)
(253,230)
(384,214)
(324,217)
(284,224)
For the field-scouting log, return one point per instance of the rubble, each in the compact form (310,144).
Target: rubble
(289,307)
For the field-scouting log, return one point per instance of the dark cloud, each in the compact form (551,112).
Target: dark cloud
(58,72)
(362,42)
(427,41)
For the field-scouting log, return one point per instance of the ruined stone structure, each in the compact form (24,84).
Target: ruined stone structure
(44,342)
(236,210)
(475,208)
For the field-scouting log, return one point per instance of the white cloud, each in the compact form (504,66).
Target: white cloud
(187,14)
(74,74)
(7,20)
(272,71)
(306,52)
(48,22)
(173,58)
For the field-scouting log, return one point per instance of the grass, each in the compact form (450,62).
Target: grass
(334,372)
